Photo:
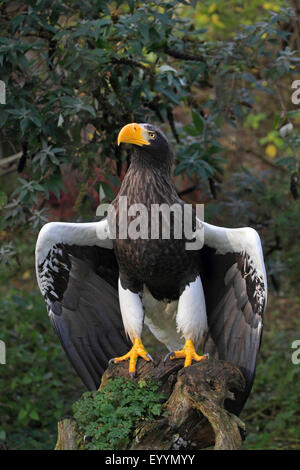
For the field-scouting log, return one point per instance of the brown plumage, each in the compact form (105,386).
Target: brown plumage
(143,262)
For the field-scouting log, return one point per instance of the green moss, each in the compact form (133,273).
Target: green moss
(107,418)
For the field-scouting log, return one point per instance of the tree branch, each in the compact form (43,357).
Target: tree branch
(10,159)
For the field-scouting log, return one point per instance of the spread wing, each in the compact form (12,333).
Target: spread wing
(78,276)
(235,287)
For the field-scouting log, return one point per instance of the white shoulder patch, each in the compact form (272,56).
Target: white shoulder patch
(238,240)
(89,234)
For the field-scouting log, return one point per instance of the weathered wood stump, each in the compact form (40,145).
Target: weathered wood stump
(197,417)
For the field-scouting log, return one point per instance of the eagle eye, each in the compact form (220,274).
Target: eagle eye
(151,135)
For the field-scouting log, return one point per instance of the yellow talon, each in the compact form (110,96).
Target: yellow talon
(136,351)
(188,352)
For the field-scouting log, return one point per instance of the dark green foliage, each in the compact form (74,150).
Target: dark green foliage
(107,418)
(270,209)
(72,69)
(36,384)
(272,414)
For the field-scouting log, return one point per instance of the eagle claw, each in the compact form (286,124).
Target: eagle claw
(151,358)
(188,353)
(167,356)
(136,351)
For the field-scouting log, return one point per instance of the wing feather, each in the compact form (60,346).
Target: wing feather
(234,281)
(79,285)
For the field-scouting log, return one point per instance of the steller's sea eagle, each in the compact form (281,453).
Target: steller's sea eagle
(100,290)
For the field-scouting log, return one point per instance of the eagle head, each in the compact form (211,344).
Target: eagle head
(149,139)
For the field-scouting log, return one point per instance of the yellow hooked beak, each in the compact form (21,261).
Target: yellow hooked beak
(133,134)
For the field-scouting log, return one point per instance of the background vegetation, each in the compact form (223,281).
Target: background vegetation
(216,76)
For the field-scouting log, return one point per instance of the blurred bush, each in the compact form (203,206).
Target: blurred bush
(33,381)
(272,414)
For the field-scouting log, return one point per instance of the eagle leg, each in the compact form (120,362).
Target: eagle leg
(136,351)
(188,352)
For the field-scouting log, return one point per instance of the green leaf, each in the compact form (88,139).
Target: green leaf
(34,415)
(22,414)
(60,120)
(165,69)
(24,125)
(198,121)
(190,130)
